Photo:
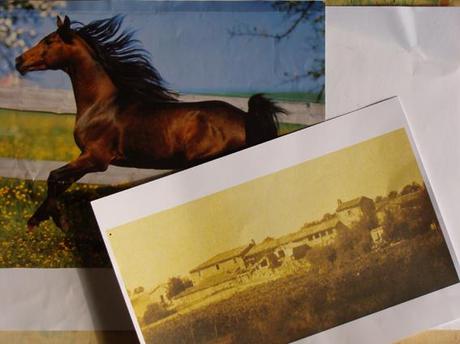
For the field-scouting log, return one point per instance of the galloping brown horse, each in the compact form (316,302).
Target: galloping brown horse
(125,114)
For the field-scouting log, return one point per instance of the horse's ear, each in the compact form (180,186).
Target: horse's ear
(63,24)
(66,22)
(64,29)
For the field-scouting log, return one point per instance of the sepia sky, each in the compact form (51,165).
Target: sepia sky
(171,243)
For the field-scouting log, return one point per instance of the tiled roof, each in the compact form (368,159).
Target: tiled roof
(271,244)
(322,226)
(351,204)
(221,257)
(266,245)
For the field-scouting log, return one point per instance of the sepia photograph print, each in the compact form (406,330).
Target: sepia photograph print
(289,254)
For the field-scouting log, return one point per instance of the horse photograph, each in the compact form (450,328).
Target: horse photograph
(128,115)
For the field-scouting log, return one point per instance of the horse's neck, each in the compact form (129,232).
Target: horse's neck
(91,85)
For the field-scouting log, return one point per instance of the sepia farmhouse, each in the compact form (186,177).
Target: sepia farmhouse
(355,210)
(271,252)
(225,262)
(275,255)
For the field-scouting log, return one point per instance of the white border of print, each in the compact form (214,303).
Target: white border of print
(290,150)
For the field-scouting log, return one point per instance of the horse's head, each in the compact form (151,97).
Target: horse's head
(52,52)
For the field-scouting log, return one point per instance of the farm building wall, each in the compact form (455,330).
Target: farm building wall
(323,238)
(229,265)
(350,215)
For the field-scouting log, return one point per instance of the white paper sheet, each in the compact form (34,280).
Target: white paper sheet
(375,53)
(89,299)
(382,327)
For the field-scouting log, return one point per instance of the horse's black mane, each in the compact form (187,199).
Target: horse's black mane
(124,60)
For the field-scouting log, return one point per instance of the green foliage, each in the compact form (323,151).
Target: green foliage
(78,244)
(37,135)
(286,128)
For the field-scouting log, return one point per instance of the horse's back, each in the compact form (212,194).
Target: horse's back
(182,132)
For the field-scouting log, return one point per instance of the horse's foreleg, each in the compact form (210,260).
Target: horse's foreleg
(59,181)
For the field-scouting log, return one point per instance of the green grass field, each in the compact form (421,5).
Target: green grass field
(77,244)
(36,135)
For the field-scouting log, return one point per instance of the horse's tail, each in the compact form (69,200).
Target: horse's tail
(262,120)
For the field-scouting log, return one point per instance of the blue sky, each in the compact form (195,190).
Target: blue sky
(193,50)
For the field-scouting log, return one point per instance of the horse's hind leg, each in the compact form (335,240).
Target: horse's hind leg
(59,181)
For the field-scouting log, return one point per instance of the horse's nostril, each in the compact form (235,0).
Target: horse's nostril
(19,61)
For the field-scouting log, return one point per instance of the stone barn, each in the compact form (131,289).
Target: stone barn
(269,253)
(319,234)
(355,210)
(225,262)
